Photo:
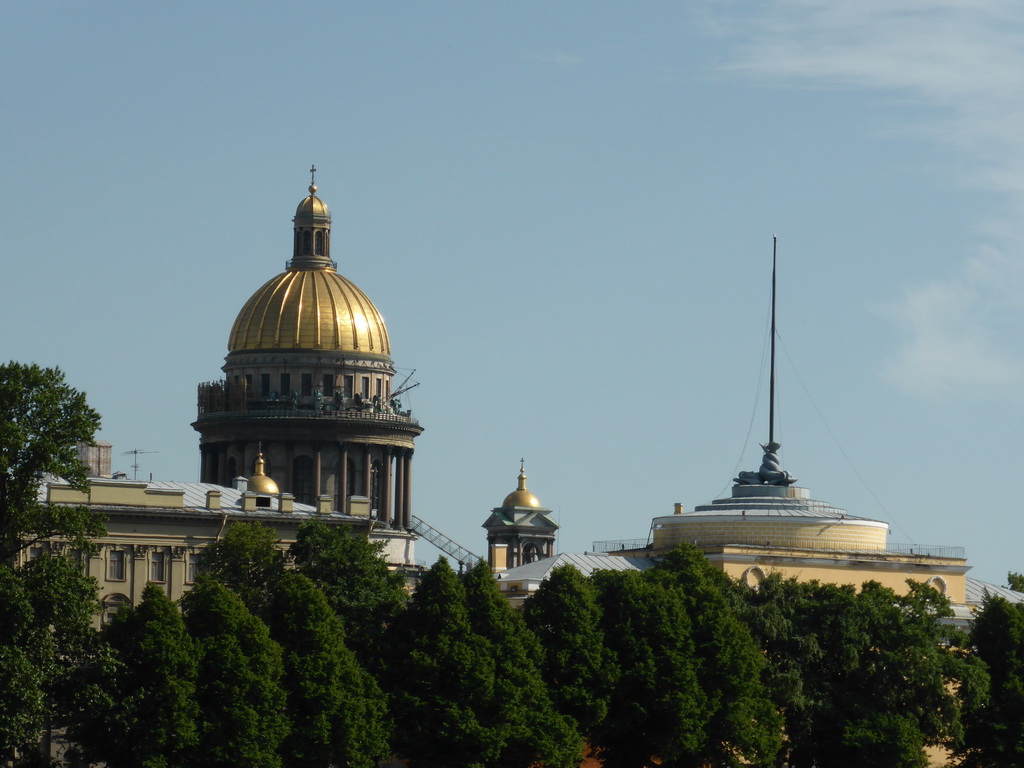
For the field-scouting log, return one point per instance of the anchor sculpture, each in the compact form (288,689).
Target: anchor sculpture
(770,472)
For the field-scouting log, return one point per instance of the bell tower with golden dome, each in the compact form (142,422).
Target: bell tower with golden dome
(309,375)
(520,531)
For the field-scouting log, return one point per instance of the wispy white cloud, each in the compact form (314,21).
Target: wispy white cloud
(965,60)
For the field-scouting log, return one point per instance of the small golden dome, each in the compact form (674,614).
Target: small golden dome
(312,205)
(259,483)
(310,309)
(521,497)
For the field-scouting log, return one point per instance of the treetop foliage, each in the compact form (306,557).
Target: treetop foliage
(42,420)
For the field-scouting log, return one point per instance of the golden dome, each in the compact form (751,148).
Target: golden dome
(310,309)
(312,205)
(521,497)
(259,483)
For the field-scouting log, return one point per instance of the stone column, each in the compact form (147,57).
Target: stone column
(385,486)
(407,501)
(222,466)
(317,484)
(367,471)
(400,487)
(343,478)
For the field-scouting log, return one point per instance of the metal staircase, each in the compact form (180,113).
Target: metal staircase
(458,553)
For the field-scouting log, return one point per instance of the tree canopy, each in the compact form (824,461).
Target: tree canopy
(140,708)
(995,734)
(238,688)
(577,666)
(863,677)
(525,722)
(42,420)
(440,676)
(358,584)
(337,712)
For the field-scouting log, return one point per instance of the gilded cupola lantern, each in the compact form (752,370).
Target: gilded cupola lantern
(312,222)
(520,531)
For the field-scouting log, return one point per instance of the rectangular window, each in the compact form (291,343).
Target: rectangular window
(156,567)
(76,556)
(195,562)
(307,384)
(286,385)
(34,553)
(349,389)
(380,387)
(366,386)
(328,385)
(248,385)
(264,385)
(115,565)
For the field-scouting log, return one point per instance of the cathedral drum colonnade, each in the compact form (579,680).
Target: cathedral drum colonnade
(309,385)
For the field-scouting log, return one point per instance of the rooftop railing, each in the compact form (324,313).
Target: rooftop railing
(831,546)
(404,417)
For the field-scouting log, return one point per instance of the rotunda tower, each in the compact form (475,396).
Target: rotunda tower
(309,375)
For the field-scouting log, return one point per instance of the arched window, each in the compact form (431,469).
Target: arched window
(319,241)
(530,553)
(307,243)
(297,239)
(232,468)
(112,604)
(302,480)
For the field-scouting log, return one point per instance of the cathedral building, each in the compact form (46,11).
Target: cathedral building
(307,423)
(309,383)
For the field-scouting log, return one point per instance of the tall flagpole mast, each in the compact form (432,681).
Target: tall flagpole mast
(771,384)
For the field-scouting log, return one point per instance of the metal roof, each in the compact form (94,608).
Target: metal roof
(977,590)
(586,563)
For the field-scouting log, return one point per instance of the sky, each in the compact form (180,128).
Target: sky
(564,212)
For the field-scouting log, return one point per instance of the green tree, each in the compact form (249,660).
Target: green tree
(46,605)
(656,713)
(337,711)
(141,710)
(46,635)
(25,657)
(440,676)
(238,688)
(863,678)
(247,561)
(564,616)
(1015,581)
(995,737)
(42,419)
(359,586)
(742,726)
(531,730)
